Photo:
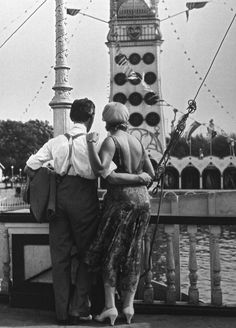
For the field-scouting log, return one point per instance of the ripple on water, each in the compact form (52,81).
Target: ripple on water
(227,248)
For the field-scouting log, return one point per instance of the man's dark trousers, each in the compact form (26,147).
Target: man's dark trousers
(76,221)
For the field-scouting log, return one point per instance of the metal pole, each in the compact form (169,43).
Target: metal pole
(190,146)
(61,101)
(210,145)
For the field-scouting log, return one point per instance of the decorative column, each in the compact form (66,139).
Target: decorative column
(180,181)
(61,101)
(6,281)
(201,183)
(170,263)
(221,181)
(193,292)
(216,292)
(148,288)
(175,211)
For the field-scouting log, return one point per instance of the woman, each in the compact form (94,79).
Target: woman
(116,250)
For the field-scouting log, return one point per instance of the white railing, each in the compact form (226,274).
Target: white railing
(211,209)
(7,205)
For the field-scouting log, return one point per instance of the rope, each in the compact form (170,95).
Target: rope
(22,24)
(155,230)
(160,172)
(96,18)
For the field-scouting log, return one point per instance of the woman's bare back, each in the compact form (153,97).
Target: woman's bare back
(131,149)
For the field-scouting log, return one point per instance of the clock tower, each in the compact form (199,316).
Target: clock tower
(134,41)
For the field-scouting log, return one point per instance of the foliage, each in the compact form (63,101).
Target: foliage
(19,140)
(220,146)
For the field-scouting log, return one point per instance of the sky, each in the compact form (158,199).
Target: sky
(27,60)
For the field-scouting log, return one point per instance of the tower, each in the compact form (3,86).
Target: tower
(134,41)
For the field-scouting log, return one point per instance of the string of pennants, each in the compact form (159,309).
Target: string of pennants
(42,84)
(212,129)
(46,76)
(190,6)
(14,20)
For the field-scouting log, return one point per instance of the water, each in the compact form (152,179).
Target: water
(227,260)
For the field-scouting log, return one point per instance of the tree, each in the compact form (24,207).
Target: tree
(19,140)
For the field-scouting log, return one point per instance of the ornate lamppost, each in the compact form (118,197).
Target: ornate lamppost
(61,101)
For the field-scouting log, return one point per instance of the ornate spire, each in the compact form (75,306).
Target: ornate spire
(129,8)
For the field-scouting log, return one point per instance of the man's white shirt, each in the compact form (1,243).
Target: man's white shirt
(57,149)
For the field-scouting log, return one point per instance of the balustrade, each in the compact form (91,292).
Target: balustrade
(171,221)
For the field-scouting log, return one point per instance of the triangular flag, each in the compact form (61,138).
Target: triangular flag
(194,5)
(72,12)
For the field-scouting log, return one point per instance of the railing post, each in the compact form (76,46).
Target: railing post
(148,294)
(221,182)
(193,292)
(201,183)
(216,292)
(170,262)
(6,281)
(180,182)
(175,212)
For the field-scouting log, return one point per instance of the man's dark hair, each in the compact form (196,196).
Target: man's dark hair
(82,110)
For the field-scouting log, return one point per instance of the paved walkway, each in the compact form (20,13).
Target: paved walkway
(15,317)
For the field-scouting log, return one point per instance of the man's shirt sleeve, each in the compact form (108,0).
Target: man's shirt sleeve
(43,155)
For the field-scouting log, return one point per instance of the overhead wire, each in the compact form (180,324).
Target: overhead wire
(23,23)
(213,60)
(18,17)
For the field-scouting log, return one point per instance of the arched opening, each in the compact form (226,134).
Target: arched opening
(190,178)
(211,178)
(229,178)
(171,180)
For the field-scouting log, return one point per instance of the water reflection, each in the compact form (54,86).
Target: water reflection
(227,258)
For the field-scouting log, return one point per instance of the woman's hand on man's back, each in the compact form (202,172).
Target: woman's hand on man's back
(145,178)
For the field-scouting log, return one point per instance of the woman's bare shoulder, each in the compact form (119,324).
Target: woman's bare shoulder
(108,143)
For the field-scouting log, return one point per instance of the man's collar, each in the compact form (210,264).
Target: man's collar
(78,127)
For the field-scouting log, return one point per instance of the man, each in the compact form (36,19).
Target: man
(77,211)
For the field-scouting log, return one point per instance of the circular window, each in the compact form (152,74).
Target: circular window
(148,58)
(135,98)
(120,97)
(120,78)
(119,59)
(135,79)
(151,98)
(136,119)
(152,119)
(150,78)
(134,59)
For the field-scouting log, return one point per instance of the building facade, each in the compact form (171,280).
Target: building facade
(134,42)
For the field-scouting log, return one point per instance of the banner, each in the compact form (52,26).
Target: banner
(191,129)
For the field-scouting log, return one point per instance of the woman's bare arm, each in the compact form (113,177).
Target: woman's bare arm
(129,178)
(100,162)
